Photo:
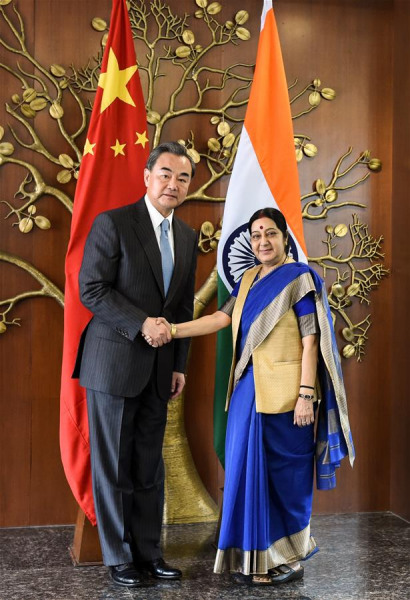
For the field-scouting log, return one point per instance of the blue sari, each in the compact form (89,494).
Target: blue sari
(269,461)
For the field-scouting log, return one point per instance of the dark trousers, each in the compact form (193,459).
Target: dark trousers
(126,437)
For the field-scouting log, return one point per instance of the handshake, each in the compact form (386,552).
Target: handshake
(156,331)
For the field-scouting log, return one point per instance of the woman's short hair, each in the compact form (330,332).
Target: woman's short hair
(173,148)
(277,217)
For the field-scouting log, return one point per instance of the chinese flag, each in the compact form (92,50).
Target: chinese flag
(111,175)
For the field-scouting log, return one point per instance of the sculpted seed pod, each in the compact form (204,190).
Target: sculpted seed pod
(348,351)
(38,104)
(194,155)
(6,148)
(328,94)
(375,165)
(214,8)
(188,37)
(314,99)
(57,70)
(56,110)
(320,186)
(99,24)
(214,144)
(183,51)
(341,230)
(241,17)
(353,289)
(207,228)
(27,111)
(29,94)
(26,225)
(223,128)
(348,334)
(66,161)
(153,117)
(331,195)
(310,150)
(338,290)
(42,222)
(63,176)
(243,33)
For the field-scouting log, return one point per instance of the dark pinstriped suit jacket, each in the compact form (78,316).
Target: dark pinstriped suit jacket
(121,284)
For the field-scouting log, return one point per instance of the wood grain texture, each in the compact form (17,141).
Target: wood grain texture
(400,330)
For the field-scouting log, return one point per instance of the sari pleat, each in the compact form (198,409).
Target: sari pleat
(268,487)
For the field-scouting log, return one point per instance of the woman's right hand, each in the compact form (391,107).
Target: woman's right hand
(162,320)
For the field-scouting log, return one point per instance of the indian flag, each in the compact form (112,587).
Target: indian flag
(264,174)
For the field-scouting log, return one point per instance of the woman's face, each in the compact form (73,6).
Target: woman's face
(268,242)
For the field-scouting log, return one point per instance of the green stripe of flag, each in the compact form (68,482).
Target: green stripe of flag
(223,366)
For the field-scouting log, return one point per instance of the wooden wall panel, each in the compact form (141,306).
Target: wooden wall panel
(15,372)
(348,44)
(400,332)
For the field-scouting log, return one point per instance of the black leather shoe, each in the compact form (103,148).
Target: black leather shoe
(126,574)
(160,570)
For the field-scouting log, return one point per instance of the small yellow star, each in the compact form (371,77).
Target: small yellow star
(141,138)
(114,82)
(88,147)
(118,148)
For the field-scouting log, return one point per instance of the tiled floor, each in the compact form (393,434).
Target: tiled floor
(362,556)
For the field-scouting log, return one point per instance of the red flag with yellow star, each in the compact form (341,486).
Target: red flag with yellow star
(111,175)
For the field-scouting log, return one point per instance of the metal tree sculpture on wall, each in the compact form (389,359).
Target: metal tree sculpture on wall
(169,43)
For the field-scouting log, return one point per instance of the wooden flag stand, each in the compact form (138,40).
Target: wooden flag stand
(85,549)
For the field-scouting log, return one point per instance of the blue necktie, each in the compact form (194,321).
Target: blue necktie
(166,255)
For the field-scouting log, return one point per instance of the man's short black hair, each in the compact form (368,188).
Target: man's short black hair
(173,148)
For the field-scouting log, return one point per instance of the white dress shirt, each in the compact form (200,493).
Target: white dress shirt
(156,219)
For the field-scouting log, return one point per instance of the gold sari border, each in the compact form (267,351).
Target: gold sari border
(257,562)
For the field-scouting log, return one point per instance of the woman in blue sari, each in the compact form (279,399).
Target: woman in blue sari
(285,364)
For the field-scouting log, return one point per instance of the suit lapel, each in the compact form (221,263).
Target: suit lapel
(145,233)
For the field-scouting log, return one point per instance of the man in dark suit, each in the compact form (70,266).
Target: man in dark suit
(139,263)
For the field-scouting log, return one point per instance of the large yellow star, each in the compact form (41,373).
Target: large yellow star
(118,148)
(141,138)
(114,82)
(88,147)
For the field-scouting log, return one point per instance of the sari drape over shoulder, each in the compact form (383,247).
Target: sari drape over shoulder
(269,461)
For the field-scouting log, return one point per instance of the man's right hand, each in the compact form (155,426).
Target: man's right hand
(155,334)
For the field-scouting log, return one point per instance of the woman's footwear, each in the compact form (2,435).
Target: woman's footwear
(241,579)
(276,576)
(262,580)
(284,574)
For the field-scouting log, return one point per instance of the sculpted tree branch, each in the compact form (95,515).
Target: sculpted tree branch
(33,177)
(48,290)
(171,45)
(350,281)
(326,195)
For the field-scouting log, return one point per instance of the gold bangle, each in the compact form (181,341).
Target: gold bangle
(173,330)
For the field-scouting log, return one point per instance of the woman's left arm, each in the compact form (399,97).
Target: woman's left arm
(304,414)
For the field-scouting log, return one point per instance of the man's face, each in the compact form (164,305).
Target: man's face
(168,182)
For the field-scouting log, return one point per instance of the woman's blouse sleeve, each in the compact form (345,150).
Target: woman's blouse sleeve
(228,306)
(305,311)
